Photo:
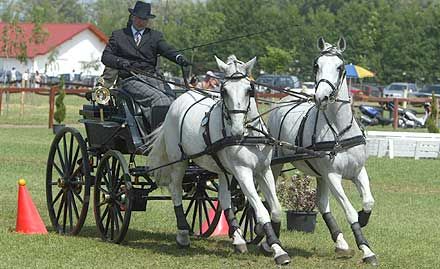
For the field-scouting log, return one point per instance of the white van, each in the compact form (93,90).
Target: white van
(396,89)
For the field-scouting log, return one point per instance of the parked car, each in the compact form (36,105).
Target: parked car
(88,80)
(371,90)
(427,90)
(279,81)
(396,89)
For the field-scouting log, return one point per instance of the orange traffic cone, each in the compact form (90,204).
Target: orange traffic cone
(28,219)
(222,226)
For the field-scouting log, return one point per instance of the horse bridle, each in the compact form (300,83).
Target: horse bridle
(228,112)
(341,76)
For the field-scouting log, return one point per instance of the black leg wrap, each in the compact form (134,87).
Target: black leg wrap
(364,217)
(182,224)
(271,237)
(232,221)
(332,225)
(276,228)
(360,239)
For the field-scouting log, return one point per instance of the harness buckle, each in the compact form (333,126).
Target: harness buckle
(331,99)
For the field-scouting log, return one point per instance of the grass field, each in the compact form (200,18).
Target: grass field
(403,229)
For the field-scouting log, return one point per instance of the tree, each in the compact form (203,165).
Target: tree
(431,122)
(277,60)
(60,108)
(110,15)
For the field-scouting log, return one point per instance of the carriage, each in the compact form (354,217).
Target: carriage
(114,127)
(115,130)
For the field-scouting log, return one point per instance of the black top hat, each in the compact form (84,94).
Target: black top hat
(142,10)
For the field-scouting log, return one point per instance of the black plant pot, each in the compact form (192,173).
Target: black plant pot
(57,127)
(301,221)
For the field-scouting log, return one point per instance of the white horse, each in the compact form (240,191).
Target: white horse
(182,134)
(327,125)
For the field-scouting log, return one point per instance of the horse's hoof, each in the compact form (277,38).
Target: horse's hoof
(344,253)
(182,238)
(363,218)
(240,248)
(266,249)
(372,260)
(283,259)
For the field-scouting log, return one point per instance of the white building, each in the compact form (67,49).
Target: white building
(65,47)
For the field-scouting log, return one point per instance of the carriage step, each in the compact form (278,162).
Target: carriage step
(139,199)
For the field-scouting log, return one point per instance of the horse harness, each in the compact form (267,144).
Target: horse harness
(338,144)
(213,147)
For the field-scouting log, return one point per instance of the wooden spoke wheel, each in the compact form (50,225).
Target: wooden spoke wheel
(68,181)
(112,197)
(203,211)
(245,214)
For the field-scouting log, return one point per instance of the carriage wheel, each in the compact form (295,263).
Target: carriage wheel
(245,214)
(68,181)
(112,197)
(203,212)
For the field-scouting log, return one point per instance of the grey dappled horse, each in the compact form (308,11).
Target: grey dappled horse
(328,125)
(182,133)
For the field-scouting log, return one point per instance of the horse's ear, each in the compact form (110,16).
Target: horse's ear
(221,65)
(249,65)
(321,43)
(342,44)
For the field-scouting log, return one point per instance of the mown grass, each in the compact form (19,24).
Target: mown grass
(403,230)
(36,109)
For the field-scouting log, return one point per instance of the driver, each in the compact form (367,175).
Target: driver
(135,48)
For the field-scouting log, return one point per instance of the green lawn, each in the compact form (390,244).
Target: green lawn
(36,109)
(403,229)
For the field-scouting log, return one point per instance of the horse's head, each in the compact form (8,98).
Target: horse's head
(236,91)
(329,71)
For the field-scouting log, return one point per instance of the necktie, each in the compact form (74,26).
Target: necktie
(137,38)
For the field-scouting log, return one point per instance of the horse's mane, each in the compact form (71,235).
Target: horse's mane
(235,66)
(331,49)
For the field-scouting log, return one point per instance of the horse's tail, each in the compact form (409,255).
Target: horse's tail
(151,139)
(157,156)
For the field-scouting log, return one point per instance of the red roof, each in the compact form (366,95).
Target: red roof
(58,34)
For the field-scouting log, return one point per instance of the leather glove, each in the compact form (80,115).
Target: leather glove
(181,60)
(124,64)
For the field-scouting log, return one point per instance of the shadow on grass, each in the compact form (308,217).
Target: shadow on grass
(165,244)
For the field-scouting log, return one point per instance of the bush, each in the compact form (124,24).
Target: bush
(296,193)
(60,108)
(431,122)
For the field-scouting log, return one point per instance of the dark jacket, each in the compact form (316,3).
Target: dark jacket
(122,46)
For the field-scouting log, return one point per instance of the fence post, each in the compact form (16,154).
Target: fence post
(395,114)
(22,104)
(51,105)
(1,97)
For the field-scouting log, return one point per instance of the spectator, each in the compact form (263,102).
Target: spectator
(210,82)
(72,75)
(25,79)
(37,79)
(13,79)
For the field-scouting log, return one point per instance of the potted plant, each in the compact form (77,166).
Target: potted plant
(298,197)
(60,108)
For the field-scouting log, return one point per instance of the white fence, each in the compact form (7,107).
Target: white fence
(403,144)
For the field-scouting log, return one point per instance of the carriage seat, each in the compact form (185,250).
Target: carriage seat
(133,106)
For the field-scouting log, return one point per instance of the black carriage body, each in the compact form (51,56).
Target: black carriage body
(119,125)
